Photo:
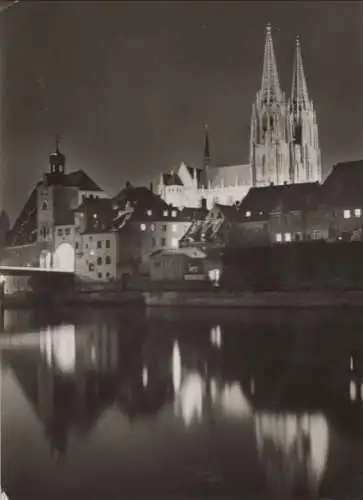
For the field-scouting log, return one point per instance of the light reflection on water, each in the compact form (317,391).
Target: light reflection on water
(261,404)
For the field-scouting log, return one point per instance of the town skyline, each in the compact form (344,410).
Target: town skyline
(150,117)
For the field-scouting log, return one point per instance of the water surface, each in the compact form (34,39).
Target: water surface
(182,404)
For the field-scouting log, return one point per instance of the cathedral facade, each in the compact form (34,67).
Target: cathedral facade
(284,145)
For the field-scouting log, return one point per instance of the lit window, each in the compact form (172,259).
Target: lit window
(346,214)
(278,237)
(152,227)
(174,242)
(357,212)
(165,213)
(149,212)
(143,227)
(95,216)
(174,228)
(315,235)
(248,213)
(173,213)
(287,236)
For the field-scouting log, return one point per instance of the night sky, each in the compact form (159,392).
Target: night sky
(129,86)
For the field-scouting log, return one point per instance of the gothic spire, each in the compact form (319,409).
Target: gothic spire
(299,89)
(270,86)
(206,160)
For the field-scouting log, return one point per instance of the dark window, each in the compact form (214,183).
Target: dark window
(100,275)
(108,259)
(86,245)
(108,244)
(107,275)
(153,242)
(77,245)
(44,205)
(99,244)
(163,227)
(60,232)
(68,231)
(99,260)
(163,242)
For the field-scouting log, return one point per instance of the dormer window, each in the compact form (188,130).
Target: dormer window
(173,213)
(166,213)
(248,213)
(149,212)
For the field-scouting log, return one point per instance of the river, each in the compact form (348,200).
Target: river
(182,404)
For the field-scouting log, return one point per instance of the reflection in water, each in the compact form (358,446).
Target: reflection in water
(252,397)
(294,449)
(216,335)
(60,345)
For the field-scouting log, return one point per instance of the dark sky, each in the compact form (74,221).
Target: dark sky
(129,85)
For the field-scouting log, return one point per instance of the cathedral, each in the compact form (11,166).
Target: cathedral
(284,145)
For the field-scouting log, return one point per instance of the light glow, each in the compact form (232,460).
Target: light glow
(38,269)
(64,257)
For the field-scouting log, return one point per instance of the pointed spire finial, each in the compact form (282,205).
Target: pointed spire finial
(57,138)
(270,85)
(299,89)
(206,145)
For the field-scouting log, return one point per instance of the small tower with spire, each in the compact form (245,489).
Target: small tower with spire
(305,154)
(269,149)
(57,163)
(206,158)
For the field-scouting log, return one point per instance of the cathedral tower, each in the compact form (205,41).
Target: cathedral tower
(305,154)
(206,159)
(269,148)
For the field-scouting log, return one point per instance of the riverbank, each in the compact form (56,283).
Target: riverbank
(270,299)
(212,299)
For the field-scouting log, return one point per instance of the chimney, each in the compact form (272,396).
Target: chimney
(203,203)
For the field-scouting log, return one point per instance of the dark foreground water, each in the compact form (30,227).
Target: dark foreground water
(199,404)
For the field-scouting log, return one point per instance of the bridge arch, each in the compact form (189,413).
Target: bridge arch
(65,257)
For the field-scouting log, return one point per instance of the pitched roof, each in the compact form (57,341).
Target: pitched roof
(230,175)
(260,202)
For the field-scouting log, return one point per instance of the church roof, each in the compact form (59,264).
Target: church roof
(230,175)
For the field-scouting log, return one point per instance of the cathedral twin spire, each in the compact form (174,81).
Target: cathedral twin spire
(284,144)
(270,84)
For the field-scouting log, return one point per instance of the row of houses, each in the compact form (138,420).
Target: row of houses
(70,222)
(331,211)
